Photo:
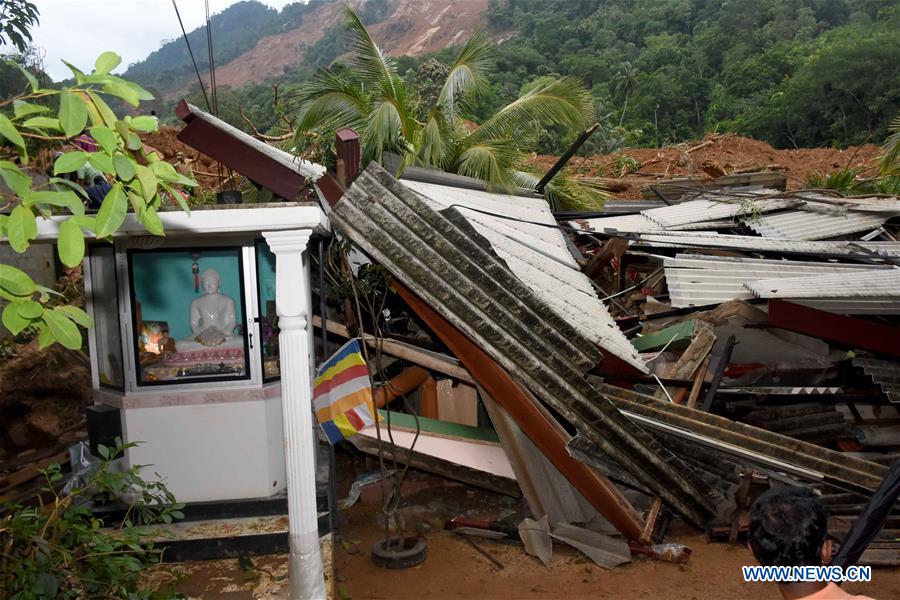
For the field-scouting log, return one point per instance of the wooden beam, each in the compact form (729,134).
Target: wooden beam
(850,331)
(434,361)
(650,523)
(533,419)
(698,383)
(31,471)
(720,355)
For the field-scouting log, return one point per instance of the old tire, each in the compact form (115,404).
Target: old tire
(412,553)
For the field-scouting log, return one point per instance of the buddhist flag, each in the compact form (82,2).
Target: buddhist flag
(342,395)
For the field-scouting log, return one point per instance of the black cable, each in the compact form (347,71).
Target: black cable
(212,63)
(193,60)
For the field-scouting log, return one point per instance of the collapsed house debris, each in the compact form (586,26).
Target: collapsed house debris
(721,403)
(616,372)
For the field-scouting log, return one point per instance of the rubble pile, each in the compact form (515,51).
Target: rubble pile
(666,358)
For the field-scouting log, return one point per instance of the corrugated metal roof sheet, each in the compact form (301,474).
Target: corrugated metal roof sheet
(885,373)
(712,207)
(539,257)
(806,225)
(874,284)
(871,204)
(704,261)
(740,440)
(443,260)
(695,280)
(640,224)
(676,239)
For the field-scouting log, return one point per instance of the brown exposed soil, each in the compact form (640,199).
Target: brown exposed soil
(413,31)
(454,569)
(713,156)
(43,394)
(184,158)
(409,30)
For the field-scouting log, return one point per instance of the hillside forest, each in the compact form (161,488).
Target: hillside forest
(794,73)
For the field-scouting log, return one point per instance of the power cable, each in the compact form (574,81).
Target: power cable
(193,60)
(212,63)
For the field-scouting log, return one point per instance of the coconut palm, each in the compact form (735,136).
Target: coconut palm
(626,79)
(373,99)
(889,160)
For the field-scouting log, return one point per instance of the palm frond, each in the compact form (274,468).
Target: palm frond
(382,131)
(889,159)
(393,90)
(525,179)
(468,74)
(329,100)
(491,161)
(370,62)
(565,192)
(564,101)
(571,193)
(431,139)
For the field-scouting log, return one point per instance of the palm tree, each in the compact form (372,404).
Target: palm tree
(626,79)
(889,160)
(373,99)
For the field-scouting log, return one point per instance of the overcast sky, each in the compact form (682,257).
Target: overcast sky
(79,30)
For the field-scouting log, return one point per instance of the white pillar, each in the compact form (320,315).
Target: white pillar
(292,298)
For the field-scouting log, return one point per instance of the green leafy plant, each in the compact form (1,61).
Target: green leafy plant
(374,99)
(625,164)
(889,159)
(140,182)
(844,181)
(59,549)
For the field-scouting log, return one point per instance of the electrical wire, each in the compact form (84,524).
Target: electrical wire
(212,63)
(193,60)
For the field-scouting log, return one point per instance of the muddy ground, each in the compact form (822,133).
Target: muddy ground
(454,569)
(713,156)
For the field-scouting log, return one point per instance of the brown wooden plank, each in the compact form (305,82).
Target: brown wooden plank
(430,360)
(32,471)
(535,422)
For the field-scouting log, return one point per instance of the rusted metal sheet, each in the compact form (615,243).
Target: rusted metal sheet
(497,318)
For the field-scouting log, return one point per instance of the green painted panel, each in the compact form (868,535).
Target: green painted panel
(407,421)
(682,333)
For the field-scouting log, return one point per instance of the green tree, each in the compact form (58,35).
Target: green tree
(373,99)
(141,181)
(626,79)
(17,17)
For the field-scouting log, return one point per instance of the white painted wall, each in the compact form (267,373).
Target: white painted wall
(208,452)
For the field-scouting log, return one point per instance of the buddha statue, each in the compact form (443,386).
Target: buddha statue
(213,318)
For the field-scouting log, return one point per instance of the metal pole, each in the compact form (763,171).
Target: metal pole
(557,167)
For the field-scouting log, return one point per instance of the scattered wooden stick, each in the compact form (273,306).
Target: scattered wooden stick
(483,552)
